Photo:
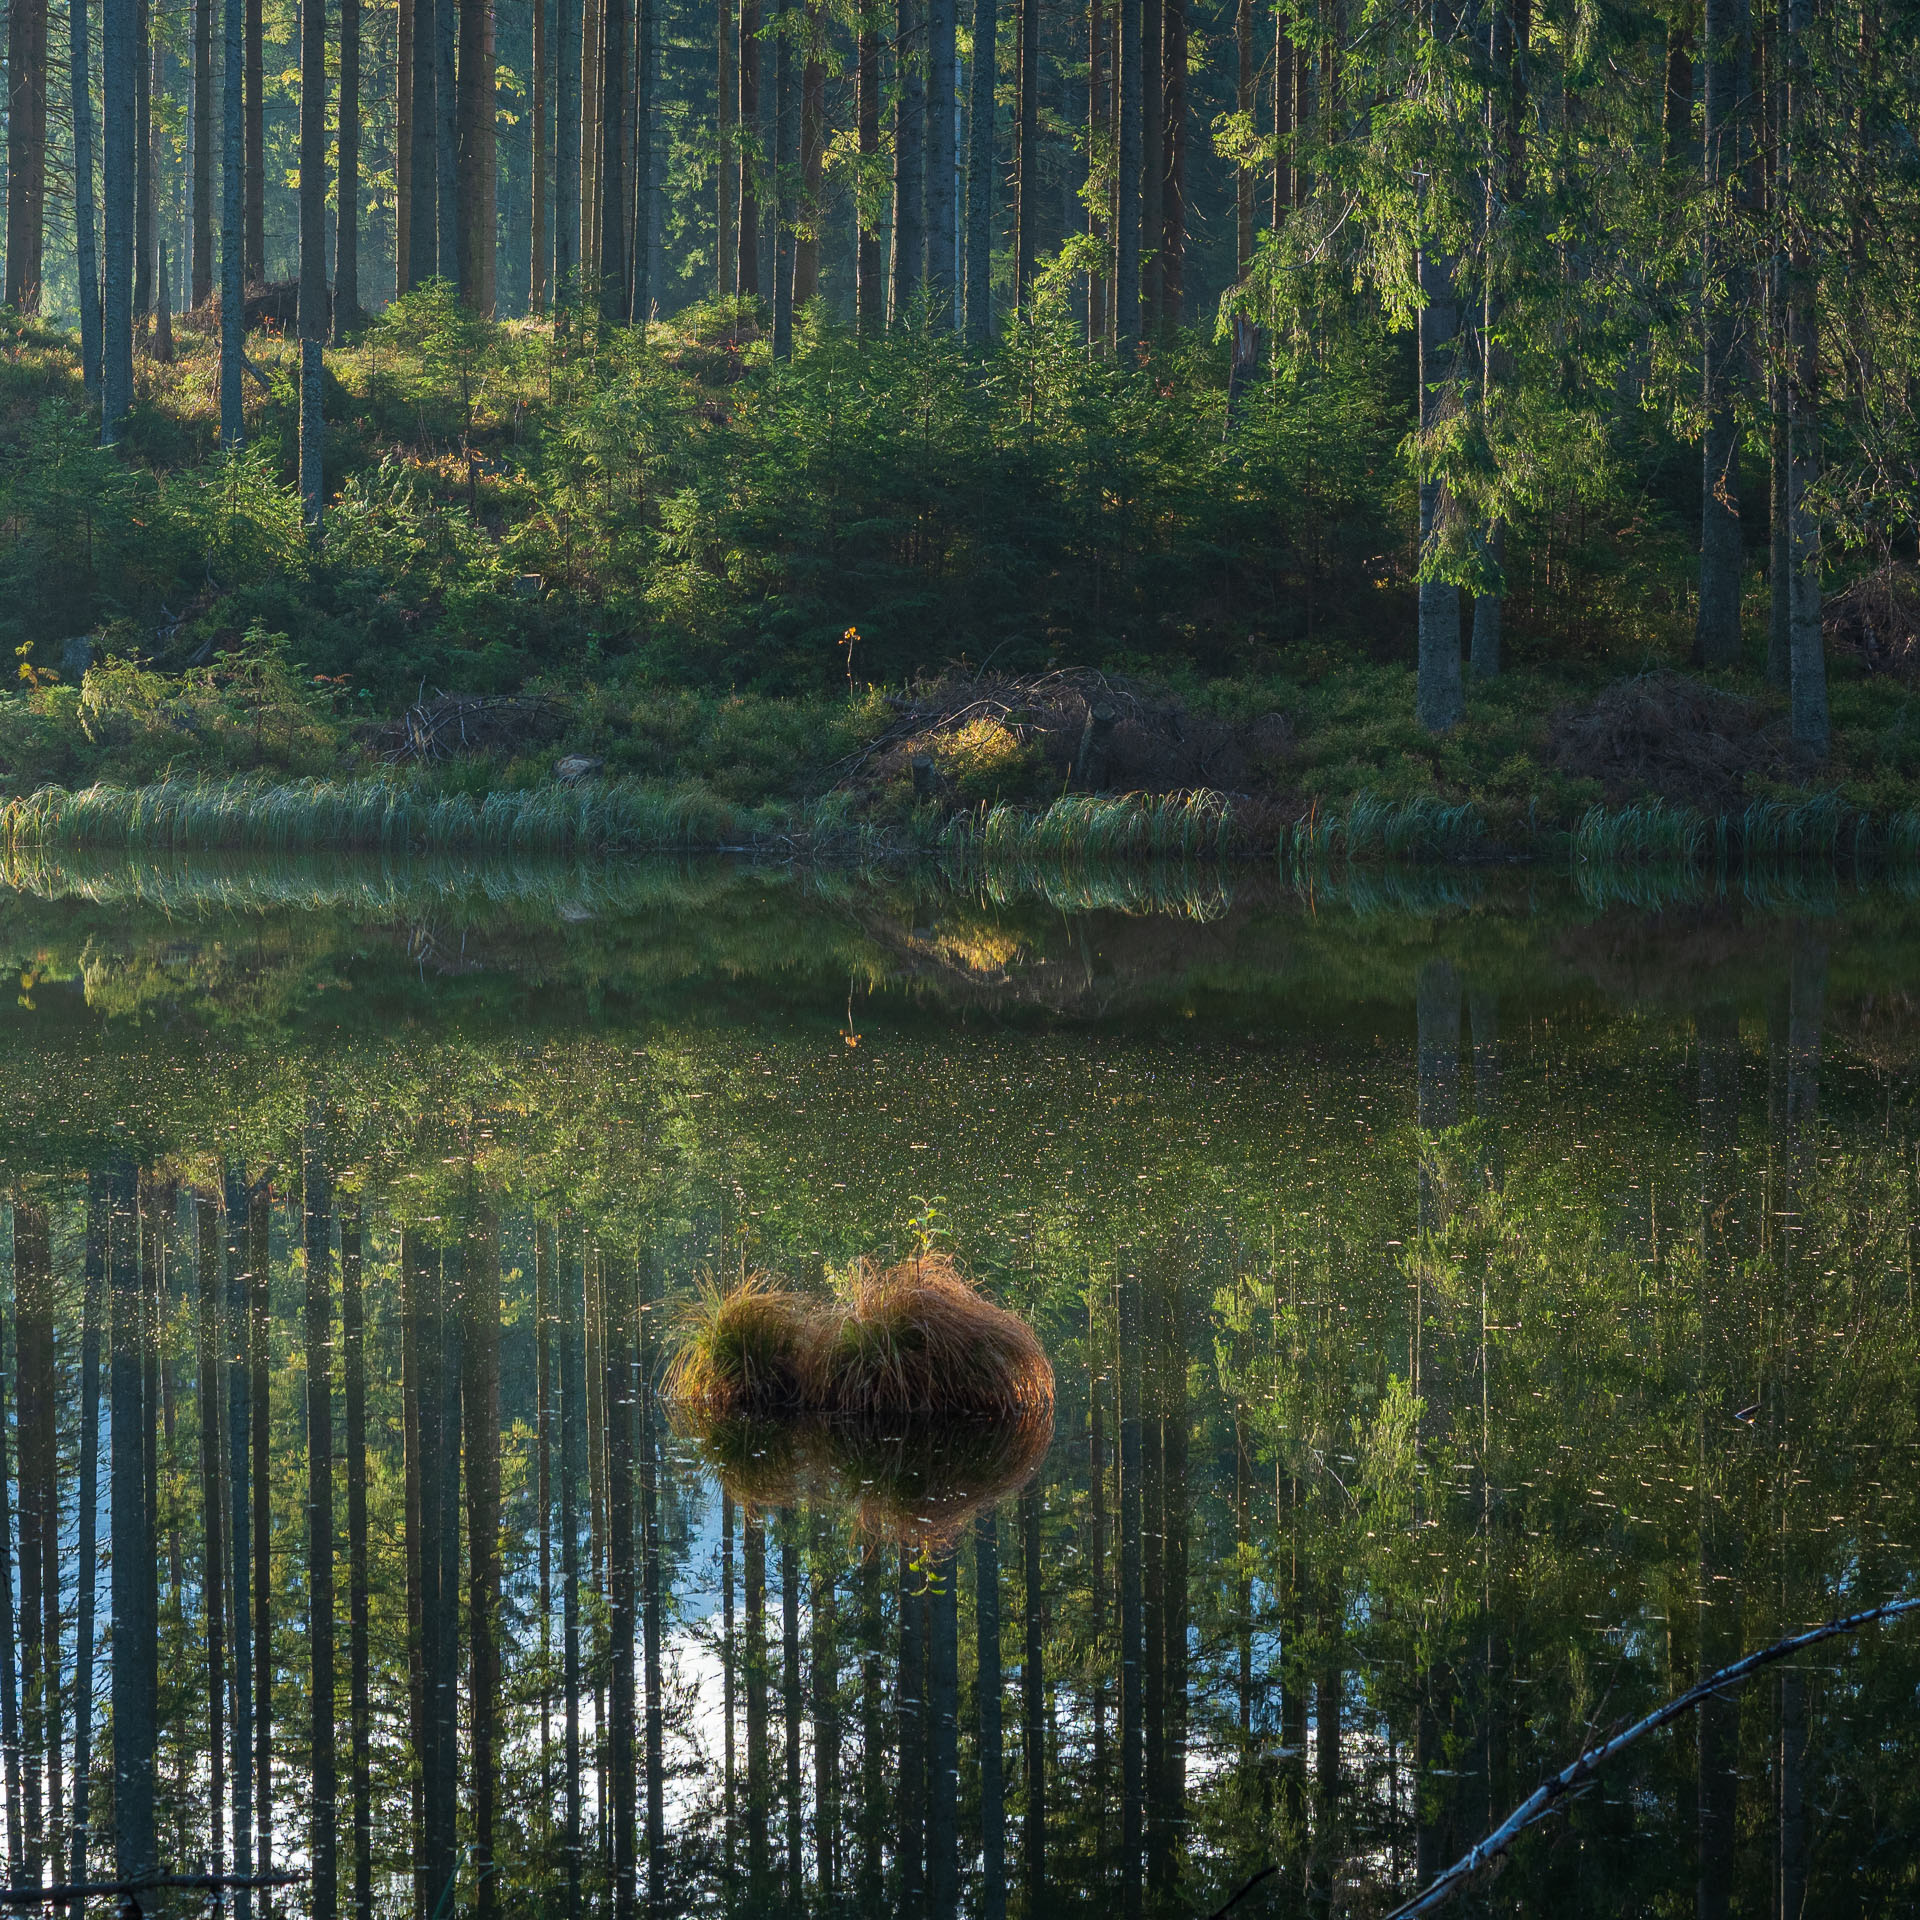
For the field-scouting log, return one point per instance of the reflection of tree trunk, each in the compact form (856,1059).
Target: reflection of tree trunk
(317,1217)
(39,1650)
(650,1608)
(415,1287)
(754,1577)
(617,1396)
(729,1654)
(1173,1778)
(790,1693)
(136,1599)
(1806,1008)
(259,1222)
(986,1607)
(86,1523)
(1483,1010)
(1792,1790)
(543,1245)
(826,1713)
(437,1354)
(572,1439)
(1033,1741)
(597,1533)
(480,1414)
(1132,1741)
(910,1706)
(212,1586)
(1153,1528)
(359,1707)
(1438,1099)
(9,1646)
(873,1733)
(943,1737)
(237,1341)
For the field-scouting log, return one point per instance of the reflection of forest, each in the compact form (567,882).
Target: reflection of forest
(1448,1366)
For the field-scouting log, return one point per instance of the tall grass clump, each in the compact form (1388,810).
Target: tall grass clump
(744,1350)
(1653,831)
(245,815)
(1422,828)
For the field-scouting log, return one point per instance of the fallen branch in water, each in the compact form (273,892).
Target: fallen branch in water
(60,1896)
(1543,1799)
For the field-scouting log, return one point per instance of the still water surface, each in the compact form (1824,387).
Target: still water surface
(1474,1319)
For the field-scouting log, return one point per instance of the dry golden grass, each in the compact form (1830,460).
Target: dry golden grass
(913,1340)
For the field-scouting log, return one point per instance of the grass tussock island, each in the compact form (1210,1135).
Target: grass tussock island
(912,1341)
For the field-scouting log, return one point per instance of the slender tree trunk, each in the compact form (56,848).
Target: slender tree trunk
(1676,117)
(617,1396)
(727,175)
(873,1734)
(870,262)
(1716,639)
(480,1414)
(1153,156)
(404,83)
(1132,1727)
(120,55)
(1100,155)
(909,152)
(33,1366)
(353,1342)
(754,1583)
(26,151)
(785,151)
(813,150)
(235,1323)
(1243,102)
(213,1581)
(646,168)
(1806,654)
(543,1284)
(652,1598)
(566,153)
(1033,1734)
(474,132)
(315,320)
(789,1523)
(823,1604)
(1173,207)
(346,233)
(1026,137)
(143,197)
(729,1703)
(317,1222)
(982,181)
(942,211)
(752,155)
(200,272)
(86,258)
(86,1527)
(993,1816)
(541,256)
(255,237)
(446,139)
(136,1600)
(10,1665)
(943,1736)
(416,1264)
(592,55)
(616,138)
(1127,317)
(233,424)
(1288,69)
(910,1696)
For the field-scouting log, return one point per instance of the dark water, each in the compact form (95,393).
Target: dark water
(1477,1312)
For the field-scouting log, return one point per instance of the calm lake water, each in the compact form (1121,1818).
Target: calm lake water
(1478,1311)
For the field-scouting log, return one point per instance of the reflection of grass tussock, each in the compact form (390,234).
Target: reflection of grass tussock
(909,1340)
(909,1479)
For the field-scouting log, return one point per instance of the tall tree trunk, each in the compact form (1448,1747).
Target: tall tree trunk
(566,153)
(26,151)
(120,53)
(480,1415)
(1716,639)
(1173,206)
(1153,156)
(790,1701)
(255,238)
(259,1304)
(616,138)
(572,1440)
(236,1320)
(446,139)
(473,112)
(910,1701)
(1126,220)
(1033,1731)
(1133,1756)
(785,149)
(346,233)
(909,153)
(646,164)
(943,1735)
(873,1735)
(1243,102)
(1288,69)
(753,1554)
(136,1599)
(729,1702)
(404,82)
(543,1285)
(143,195)
(353,1340)
(541,254)
(233,423)
(942,207)
(1439,698)
(1676,115)
(86,1527)
(752,155)
(726,266)
(1026,138)
(870,259)
(1779,538)
(1806,654)
(993,1815)
(317,1225)
(200,273)
(10,1742)
(982,181)
(33,1370)
(315,321)
(823,1605)
(813,151)
(433,1306)
(86,258)
(652,1600)
(592,57)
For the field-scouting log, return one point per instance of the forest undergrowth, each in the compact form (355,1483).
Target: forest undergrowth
(885,588)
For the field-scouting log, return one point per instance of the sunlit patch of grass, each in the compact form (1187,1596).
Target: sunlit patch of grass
(909,1340)
(744,1349)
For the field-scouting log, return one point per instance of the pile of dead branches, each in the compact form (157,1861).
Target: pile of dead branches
(455,723)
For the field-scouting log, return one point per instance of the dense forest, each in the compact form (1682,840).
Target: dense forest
(1522,1337)
(780,351)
